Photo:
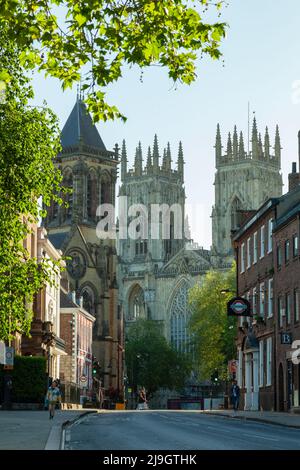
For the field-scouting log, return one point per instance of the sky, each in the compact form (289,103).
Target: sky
(262,66)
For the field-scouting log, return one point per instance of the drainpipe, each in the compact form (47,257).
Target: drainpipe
(237,268)
(275,317)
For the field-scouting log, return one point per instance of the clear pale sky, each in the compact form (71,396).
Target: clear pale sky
(262,62)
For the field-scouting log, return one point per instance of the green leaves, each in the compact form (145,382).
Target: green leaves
(81,20)
(5,76)
(29,142)
(95,39)
(212,330)
(150,361)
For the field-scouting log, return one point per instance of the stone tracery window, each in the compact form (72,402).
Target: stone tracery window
(91,195)
(68,197)
(180,338)
(88,299)
(105,194)
(136,304)
(236,206)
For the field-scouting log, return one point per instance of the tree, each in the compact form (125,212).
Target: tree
(213,331)
(93,40)
(29,140)
(151,362)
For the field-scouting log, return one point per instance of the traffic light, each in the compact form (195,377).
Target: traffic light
(215,377)
(96,369)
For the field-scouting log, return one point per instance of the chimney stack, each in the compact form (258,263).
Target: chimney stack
(293,177)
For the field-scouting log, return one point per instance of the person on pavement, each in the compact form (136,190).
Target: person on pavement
(235,395)
(53,397)
(142,400)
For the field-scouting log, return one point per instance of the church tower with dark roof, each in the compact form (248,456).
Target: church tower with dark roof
(90,171)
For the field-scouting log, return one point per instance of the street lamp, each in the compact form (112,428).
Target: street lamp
(119,350)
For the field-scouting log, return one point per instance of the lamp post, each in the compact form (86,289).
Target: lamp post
(119,350)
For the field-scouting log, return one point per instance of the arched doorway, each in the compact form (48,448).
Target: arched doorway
(280,388)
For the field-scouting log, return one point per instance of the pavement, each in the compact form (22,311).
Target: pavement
(33,430)
(271,417)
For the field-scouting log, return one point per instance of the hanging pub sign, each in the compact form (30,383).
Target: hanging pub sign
(239,307)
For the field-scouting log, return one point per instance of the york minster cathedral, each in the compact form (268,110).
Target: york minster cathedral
(145,276)
(156,275)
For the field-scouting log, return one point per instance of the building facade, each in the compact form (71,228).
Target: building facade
(244,180)
(90,171)
(45,334)
(77,331)
(287,291)
(254,250)
(267,256)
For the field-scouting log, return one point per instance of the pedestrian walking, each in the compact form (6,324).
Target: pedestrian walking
(142,399)
(53,397)
(235,395)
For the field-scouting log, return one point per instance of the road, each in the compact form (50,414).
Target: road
(169,430)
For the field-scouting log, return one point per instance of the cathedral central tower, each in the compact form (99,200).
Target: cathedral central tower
(243,182)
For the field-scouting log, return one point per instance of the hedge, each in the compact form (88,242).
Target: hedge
(29,379)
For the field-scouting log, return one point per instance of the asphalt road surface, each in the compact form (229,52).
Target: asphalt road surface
(165,430)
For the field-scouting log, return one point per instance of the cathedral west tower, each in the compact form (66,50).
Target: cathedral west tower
(156,273)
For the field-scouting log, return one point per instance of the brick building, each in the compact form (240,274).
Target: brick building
(253,244)
(45,337)
(76,329)
(268,275)
(287,289)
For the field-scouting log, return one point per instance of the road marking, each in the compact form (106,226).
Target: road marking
(261,437)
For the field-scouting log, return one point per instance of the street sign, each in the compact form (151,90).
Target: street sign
(232,366)
(239,307)
(286,338)
(83,380)
(9,356)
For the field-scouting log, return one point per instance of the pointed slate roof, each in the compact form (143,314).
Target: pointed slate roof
(80,128)
(57,239)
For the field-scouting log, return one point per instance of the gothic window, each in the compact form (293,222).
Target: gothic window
(105,196)
(236,206)
(136,304)
(141,248)
(91,195)
(88,299)
(180,313)
(68,197)
(169,243)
